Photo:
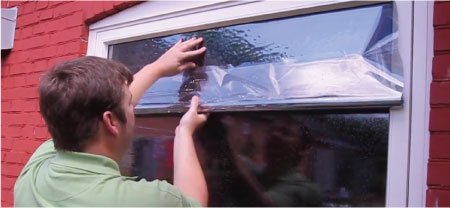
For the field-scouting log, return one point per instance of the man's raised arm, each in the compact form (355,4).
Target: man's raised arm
(188,174)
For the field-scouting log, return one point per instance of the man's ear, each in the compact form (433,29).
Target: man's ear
(111,123)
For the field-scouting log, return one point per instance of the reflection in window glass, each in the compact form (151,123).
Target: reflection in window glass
(344,56)
(276,158)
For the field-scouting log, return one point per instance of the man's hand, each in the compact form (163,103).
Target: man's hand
(191,120)
(180,57)
(177,59)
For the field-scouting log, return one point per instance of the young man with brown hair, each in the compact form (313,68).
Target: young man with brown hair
(88,106)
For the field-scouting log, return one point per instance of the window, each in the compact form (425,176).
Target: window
(372,136)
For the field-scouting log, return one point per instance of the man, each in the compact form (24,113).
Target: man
(88,106)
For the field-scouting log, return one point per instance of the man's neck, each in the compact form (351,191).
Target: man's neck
(99,147)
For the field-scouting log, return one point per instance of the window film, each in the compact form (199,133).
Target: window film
(289,159)
(337,58)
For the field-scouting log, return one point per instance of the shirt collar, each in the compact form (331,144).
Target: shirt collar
(86,161)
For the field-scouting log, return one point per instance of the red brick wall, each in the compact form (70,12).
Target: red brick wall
(47,32)
(438,193)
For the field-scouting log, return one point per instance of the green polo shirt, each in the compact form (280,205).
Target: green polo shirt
(61,178)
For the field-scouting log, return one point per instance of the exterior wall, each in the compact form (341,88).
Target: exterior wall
(47,32)
(438,193)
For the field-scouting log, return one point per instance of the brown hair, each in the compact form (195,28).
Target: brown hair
(75,94)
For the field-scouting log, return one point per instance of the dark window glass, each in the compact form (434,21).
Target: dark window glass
(290,158)
(345,57)
(252,153)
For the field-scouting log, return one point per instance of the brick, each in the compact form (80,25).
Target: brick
(440,146)
(93,10)
(13,131)
(121,5)
(72,34)
(40,28)
(7,197)
(4,4)
(17,35)
(18,57)
(39,66)
(29,7)
(5,105)
(41,5)
(65,9)
(26,32)
(7,82)
(7,143)
(30,92)
(15,118)
(14,3)
(36,118)
(11,169)
(438,173)
(441,39)
(440,93)
(16,106)
(440,119)
(30,106)
(438,198)
(19,45)
(33,78)
(7,204)
(56,25)
(108,6)
(46,52)
(28,132)
(55,61)
(26,145)
(21,107)
(28,19)
(10,94)
(36,41)
(19,69)
(75,19)
(19,81)
(441,66)
(55,3)
(441,16)
(42,133)
(46,14)
(69,48)
(8,183)
(17,157)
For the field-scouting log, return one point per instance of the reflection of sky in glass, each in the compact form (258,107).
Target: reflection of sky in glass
(314,37)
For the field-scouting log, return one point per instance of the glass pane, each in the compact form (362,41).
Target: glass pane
(339,57)
(275,158)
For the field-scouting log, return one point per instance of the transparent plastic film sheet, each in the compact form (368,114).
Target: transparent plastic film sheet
(343,58)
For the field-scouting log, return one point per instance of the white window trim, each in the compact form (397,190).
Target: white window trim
(408,126)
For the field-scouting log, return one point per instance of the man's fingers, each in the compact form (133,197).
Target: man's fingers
(188,65)
(178,42)
(188,45)
(190,54)
(194,104)
(203,117)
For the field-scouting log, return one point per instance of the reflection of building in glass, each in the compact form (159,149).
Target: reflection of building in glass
(346,159)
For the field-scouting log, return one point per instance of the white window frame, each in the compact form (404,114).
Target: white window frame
(408,125)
